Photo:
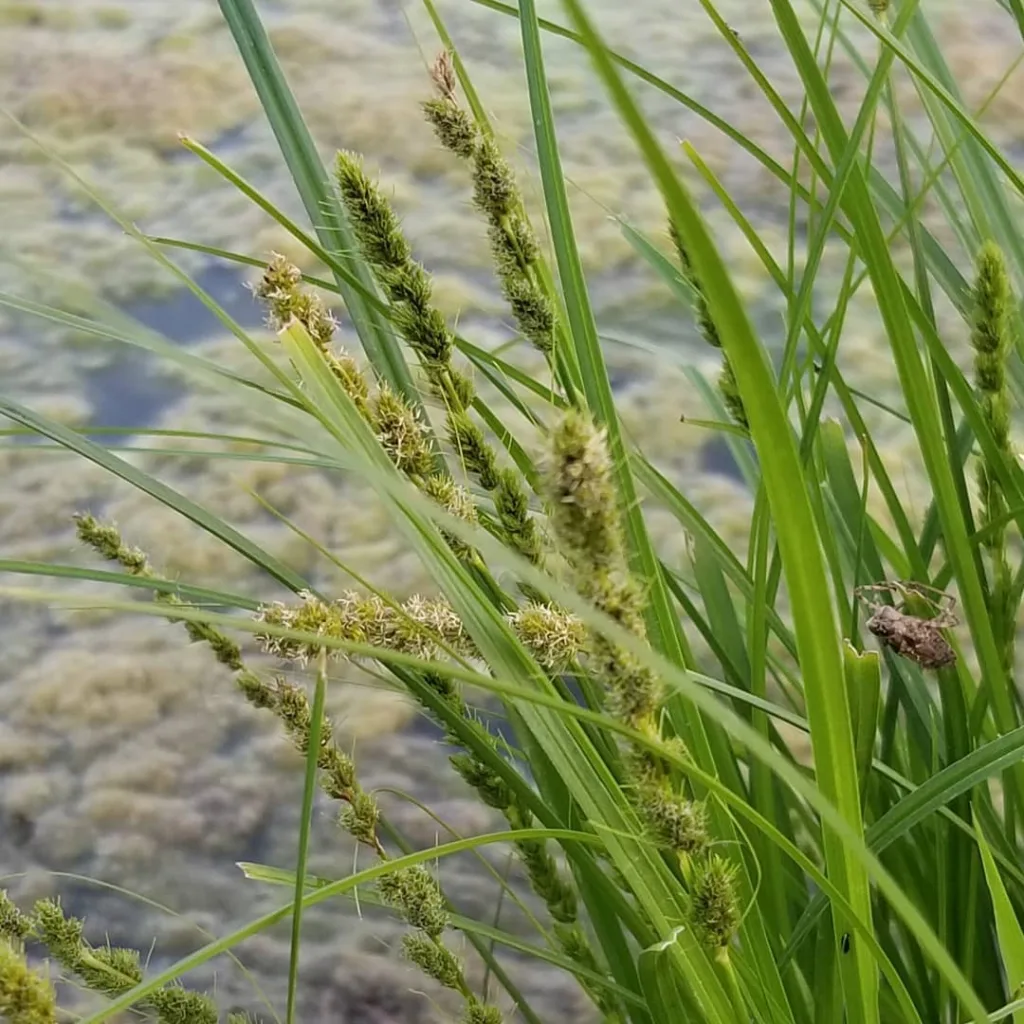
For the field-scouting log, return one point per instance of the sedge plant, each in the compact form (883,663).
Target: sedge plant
(740,790)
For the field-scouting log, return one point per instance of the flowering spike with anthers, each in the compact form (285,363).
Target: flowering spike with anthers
(281,290)
(421,626)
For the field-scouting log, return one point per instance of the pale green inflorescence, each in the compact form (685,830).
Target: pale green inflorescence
(992,343)
(585,518)
(421,627)
(398,427)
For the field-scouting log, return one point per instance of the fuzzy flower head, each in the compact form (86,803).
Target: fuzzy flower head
(453,498)
(420,627)
(452,125)
(347,372)
(584,509)
(311,616)
(435,960)
(280,288)
(402,434)
(375,223)
(416,896)
(676,822)
(554,637)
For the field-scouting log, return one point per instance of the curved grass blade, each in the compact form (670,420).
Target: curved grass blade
(235,257)
(942,788)
(150,485)
(339,888)
(1011,938)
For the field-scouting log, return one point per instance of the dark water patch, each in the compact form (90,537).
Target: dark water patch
(128,393)
(181,317)
(131,391)
(716,457)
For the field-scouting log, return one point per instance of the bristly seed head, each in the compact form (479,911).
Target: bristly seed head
(454,127)
(584,509)
(402,434)
(676,822)
(416,896)
(713,904)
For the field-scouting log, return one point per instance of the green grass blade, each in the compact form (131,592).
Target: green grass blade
(150,485)
(1011,937)
(817,639)
(195,595)
(235,257)
(318,198)
(305,823)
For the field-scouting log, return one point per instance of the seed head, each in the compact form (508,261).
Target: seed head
(713,904)
(676,822)
(453,126)
(583,504)
(402,434)
(25,997)
(415,895)
(435,960)
(105,539)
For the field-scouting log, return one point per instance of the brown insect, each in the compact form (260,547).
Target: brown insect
(910,636)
